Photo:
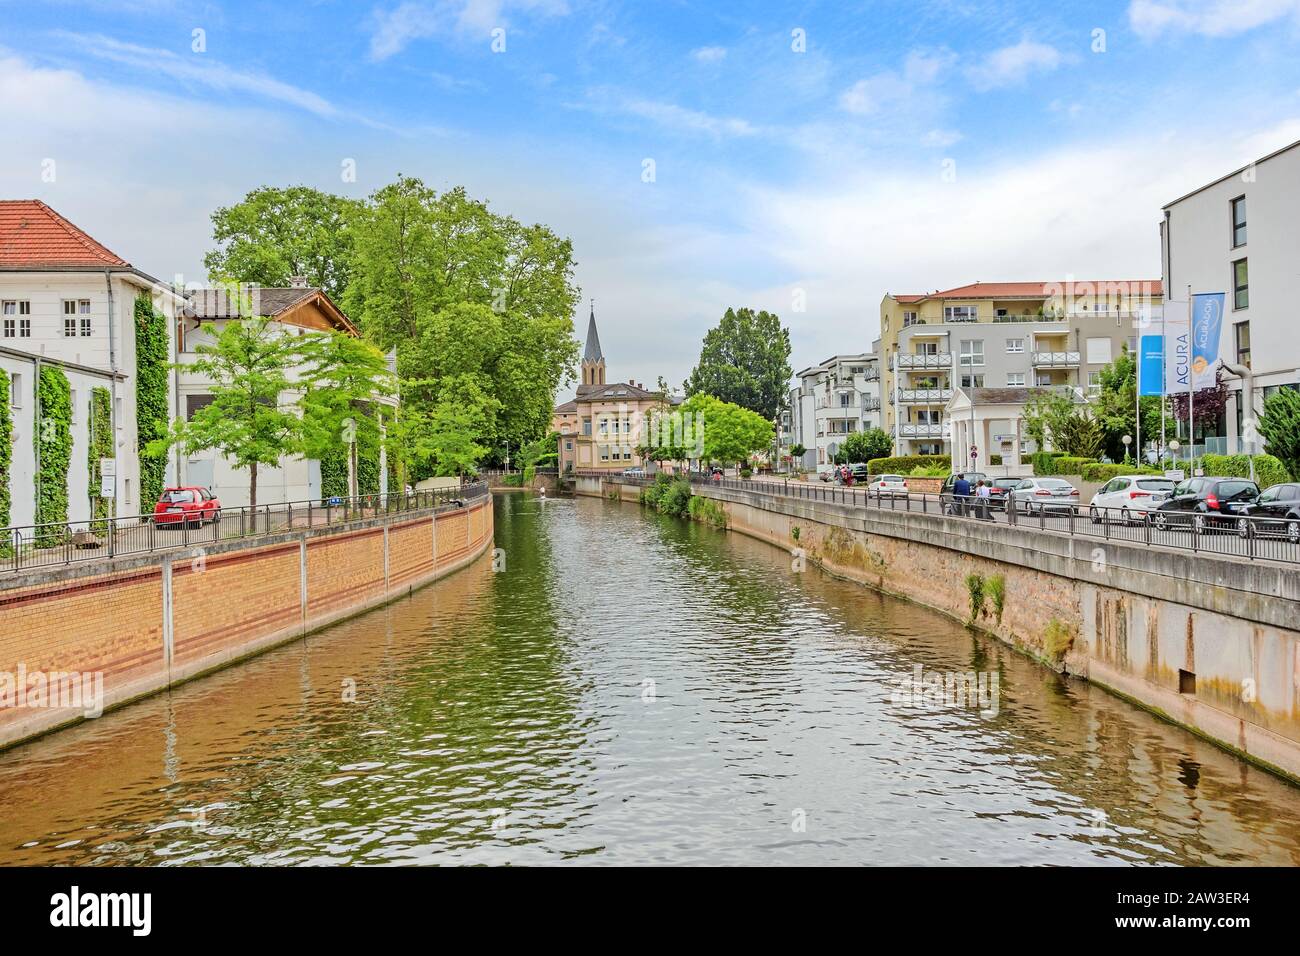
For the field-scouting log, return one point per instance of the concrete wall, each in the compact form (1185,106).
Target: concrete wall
(146,623)
(1126,617)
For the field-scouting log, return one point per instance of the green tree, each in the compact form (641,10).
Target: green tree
(1079,436)
(439,441)
(864,446)
(745,360)
(247,370)
(277,232)
(730,433)
(343,379)
(1115,406)
(1047,414)
(1280,427)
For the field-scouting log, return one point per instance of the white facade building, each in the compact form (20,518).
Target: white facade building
(834,399)
(1239,235)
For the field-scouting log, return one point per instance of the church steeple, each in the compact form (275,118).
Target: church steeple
(593,360)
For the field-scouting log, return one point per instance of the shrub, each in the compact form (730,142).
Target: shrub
(1044,462)
(1268,470)
(975,585)
(676,499)
(1057,640)
(1069,465)
(997,590)
(1099,472)
(903,464)
(707,510)
(929,471)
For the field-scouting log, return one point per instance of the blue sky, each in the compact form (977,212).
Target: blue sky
(906,146)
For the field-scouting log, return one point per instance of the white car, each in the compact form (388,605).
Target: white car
(1128,498)
(1040,495)
(888,485)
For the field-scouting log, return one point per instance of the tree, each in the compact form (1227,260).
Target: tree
(1280,427)
(730,433)
(1207,404)
(1115,406)
(745,360)
(344,377)
(248,370)
(1079,436)
(1046,414)
(274,233)
(439,441)
(864,446)
(797,451)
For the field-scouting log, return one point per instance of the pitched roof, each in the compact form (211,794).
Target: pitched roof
(598,393)
(1030,290)
(592,352)
(32,235)
(270,302)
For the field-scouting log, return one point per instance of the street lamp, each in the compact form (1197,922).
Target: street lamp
(1173,449)
(1127,440)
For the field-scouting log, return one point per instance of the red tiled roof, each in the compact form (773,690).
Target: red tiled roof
(34,235)
(1032,290)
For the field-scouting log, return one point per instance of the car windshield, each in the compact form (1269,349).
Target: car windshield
(1053,483)
(1155,484)
(176,497)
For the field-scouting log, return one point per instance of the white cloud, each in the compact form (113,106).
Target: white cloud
(941,137)
(394,29)
(1212,18)
(892,90)
(1012,65)
(671,116)
(710,54)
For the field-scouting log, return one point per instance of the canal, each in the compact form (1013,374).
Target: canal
(625,688)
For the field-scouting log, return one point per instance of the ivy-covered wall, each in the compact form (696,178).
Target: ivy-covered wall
(151,361)
(6,448)
(53,445)
(334,467)
(100,446)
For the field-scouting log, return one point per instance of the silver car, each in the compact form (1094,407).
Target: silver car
(1040,495)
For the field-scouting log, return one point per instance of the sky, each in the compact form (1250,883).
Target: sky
(806,158)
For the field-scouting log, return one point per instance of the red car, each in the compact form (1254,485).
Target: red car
(190,506)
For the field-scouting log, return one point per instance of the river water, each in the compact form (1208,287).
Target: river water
(636,689)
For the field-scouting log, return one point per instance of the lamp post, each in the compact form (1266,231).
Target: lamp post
(1127,440)
(1173,449)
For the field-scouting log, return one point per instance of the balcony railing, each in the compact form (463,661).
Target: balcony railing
(904,360)
(871,404)
(1056,359)
(923,396)
(919,431)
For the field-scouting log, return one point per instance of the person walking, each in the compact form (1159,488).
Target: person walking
(983,492)
(960,494)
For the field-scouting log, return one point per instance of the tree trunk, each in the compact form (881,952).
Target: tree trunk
(252,491)
(354,490)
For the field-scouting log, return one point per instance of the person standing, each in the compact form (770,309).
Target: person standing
(960,494)
(983,492)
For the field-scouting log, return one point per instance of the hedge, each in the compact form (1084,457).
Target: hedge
(99,446)
(904,464)
(1044,462)
(151,415)
(53,443)
(1067,465)
(1268,470)
(1100,472)
(6,448)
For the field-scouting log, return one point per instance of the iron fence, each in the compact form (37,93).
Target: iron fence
(26,547)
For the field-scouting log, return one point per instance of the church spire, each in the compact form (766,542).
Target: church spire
(593,359)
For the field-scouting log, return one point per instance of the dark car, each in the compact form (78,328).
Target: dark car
(859,472)
(190,505)
(945,492)
(1206,504)
(1276,512)
(999,490)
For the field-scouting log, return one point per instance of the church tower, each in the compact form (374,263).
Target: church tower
(593,360)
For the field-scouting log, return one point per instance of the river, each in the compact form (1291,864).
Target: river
(626,688)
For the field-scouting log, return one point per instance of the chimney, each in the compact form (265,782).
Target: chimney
(297,282)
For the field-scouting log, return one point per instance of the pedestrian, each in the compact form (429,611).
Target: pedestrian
(960,494)
(983,491)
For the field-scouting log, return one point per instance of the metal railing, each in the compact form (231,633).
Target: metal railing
(28,547)
(1056,359)
(904,360)
(1250,537)
(922,396)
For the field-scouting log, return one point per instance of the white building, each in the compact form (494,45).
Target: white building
(1239,235)
(834,399)
(67,301)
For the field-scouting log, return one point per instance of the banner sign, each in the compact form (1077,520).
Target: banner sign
(1151,365)
(1207,323)
(1178,348)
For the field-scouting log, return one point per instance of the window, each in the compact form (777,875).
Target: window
(972,381)
(193,403)
(586,426)
(15,390)
(69,318)
(1242,330)
(1015,379)
(83,313)
(909,318)
(972,352)
(1240,287)
(604,453)
(568,446)
(959,313)
(846,399)
(1238,221)
(1094,384)
(17,321)
(1099,351)
(1015,345)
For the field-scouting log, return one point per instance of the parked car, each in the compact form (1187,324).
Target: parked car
(891,486)
(945,490)
(1276,512)
(188,506)
(831,474)
(859,472)
(1206,504)
(634,472)
(1000,490)
(1127,497)
(1040,495)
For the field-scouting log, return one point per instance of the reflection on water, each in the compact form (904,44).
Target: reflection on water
(634,689)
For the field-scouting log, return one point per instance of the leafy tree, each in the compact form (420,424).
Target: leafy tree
(1207,404)
(745,360)
(274,233)
(864,446)
(247,368)
(1046,415)
(1280,427)
(1114,406)
(1079,436)
(439,441)
(797,451)
(731,433)
(344,376)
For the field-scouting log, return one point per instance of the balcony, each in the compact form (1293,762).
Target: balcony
(920,431)
(904,360)
(871,404)
(923,396)
(1056,359)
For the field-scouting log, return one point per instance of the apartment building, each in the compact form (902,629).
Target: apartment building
(1238,235)
(834,398)
(999,335)
(67,301)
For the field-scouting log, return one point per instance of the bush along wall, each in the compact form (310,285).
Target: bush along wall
(100,446)
(54,452)
(6,450)
(150,395)
(904,464)
(1268,470)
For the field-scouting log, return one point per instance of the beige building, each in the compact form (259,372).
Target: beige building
(601,425)
(999,335)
